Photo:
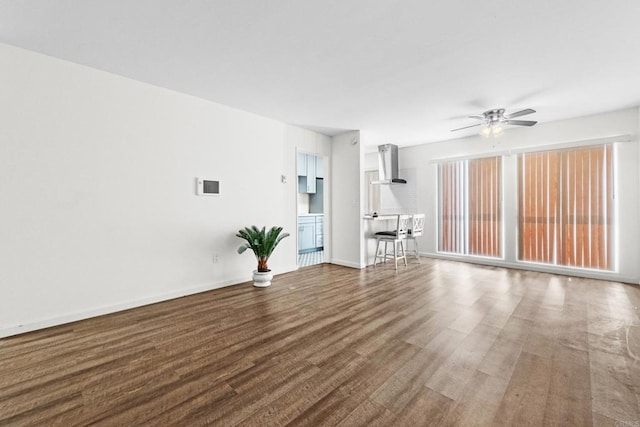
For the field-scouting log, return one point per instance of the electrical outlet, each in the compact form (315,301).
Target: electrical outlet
(216,258)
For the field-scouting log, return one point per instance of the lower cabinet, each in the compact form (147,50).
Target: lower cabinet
(310,233)
(306,234)
(320,232)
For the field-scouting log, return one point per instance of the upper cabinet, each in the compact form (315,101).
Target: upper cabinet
(302,164)
(308,167)
(319,168)
(311,174)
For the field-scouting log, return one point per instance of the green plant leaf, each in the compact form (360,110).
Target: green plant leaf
(261,241)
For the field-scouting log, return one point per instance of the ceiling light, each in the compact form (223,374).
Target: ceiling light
(492,128)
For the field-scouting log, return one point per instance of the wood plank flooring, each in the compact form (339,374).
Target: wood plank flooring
(436,343)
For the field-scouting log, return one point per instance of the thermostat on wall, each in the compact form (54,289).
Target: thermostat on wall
(208,187)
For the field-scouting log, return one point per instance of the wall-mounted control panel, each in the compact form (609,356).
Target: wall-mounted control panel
(207,187)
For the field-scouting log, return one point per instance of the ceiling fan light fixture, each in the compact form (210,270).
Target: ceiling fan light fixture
(492,128)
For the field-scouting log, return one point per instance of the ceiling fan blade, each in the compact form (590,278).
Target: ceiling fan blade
(466,127)
(519,113)
(521,122)
(477,117)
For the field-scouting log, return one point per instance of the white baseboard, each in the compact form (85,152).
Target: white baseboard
(126,305)
(347,263)
(550,269)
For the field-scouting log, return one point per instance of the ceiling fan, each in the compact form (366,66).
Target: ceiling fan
(493,121)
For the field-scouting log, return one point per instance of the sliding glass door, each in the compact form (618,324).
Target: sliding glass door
(470,207)
(565,207)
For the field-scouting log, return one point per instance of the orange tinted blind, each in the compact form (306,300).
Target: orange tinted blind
(470,204)
(485,206)
(566,207)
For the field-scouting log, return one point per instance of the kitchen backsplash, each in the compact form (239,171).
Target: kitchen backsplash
(303,203)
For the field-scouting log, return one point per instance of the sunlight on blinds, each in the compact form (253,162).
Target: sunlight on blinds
(565,207)
(485,202)
(470,204)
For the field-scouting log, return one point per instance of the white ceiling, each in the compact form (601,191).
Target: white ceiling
(404,72)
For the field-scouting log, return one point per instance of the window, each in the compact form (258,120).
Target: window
(566,207)
(470,207)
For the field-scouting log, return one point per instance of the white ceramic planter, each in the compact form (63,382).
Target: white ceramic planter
(262,279)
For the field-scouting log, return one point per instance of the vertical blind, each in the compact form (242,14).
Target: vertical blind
(485,203)
(566,207)
(470,207)
(452,207)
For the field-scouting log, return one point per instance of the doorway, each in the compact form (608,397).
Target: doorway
(311,209)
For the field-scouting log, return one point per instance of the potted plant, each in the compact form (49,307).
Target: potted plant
(262,243)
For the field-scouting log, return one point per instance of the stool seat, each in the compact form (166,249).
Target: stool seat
(386,233)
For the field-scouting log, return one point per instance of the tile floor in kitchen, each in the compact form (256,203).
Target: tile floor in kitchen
(310,258)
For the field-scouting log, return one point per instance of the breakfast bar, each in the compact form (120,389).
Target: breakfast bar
(372,225)
(388,222)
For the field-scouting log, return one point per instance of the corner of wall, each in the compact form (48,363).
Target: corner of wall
(346,209)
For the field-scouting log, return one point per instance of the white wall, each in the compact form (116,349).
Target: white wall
(347,210)
(97,184)
(624,122)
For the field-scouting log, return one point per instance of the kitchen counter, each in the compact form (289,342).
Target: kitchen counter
(372,225)
(380,217)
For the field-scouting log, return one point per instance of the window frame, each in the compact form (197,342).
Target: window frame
(613,232)
(466,198)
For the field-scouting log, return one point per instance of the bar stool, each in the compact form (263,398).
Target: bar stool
(417,225)
(396,237)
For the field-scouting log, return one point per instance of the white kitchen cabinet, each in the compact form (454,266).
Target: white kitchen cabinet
(310,233)
(306,233)
(306,169)
(311,174)
(302,164)
(319,167)
(319,231)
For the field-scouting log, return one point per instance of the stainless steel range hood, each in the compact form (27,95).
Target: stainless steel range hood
(388,165)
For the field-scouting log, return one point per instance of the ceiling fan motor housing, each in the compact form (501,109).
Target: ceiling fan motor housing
(494,116)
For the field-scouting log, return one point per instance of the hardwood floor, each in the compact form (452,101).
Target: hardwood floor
(437,343)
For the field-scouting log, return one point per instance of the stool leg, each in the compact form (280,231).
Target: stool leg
(386,253)
(404,254)
(375,258)
(395,253)
(415,242)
